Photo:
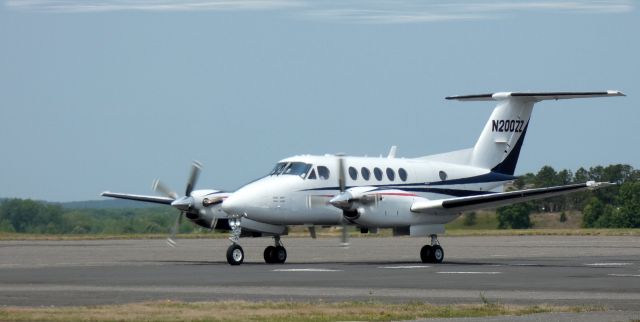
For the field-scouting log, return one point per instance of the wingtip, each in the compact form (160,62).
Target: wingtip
(615,93)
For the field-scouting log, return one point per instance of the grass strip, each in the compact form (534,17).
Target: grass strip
(328,233)
(272,311)
(546,232)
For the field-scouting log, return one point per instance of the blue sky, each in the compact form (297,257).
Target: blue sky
(108,95)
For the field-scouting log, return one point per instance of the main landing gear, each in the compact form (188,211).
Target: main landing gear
(432,253)
(275,254)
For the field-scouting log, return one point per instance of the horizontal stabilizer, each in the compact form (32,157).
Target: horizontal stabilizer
(536,96)
(153,199)
(499,199)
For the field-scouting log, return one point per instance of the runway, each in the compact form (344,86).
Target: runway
(575,270)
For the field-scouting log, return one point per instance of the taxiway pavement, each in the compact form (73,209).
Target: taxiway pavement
(571,270)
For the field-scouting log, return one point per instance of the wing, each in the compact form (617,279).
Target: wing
(153,199)
(499,199)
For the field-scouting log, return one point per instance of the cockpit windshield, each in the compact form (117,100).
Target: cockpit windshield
(278,168)
(291,168)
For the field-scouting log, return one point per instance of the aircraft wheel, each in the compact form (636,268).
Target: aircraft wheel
(425,253)
(235,255)
(437,254)
(268,254)
(279,255)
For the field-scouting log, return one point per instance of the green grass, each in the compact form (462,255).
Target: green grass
(329,233)
(20,236)
(273,311)
(546,232)
(484,220)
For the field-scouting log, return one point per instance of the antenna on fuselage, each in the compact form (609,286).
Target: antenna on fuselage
(392,152)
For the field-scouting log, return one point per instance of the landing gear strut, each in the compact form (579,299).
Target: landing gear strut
(275,254)
(432,253)
(235,254)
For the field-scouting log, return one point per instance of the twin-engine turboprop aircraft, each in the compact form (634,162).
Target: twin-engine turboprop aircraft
(413,196)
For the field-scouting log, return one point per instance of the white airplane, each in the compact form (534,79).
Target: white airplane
(413,196)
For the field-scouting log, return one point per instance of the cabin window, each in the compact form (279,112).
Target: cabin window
(391,174)
(323,172)
(365,173)
(377,173)
(312,174)
(443,175)
(402,174)
(353,173)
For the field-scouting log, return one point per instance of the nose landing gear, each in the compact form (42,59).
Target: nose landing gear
(275,254)
(235,254)
(432,253)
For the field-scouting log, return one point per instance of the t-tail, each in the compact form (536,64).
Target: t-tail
(499,144)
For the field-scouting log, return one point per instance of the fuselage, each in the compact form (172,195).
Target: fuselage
(298,190)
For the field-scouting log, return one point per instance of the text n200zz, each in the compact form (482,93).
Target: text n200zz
(507,126)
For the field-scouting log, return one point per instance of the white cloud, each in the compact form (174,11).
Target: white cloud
(413,11)
(149,5)
(347,11)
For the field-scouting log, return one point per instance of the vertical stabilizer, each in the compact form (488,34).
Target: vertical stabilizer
(500,142)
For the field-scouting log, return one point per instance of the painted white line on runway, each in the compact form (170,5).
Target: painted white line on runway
(404,267)
(608,264)
(624,275)
(306,270)
(488,273)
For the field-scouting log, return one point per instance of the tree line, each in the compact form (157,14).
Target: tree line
(37,217)
(613,207)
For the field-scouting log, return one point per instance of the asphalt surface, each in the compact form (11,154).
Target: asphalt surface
(584,270)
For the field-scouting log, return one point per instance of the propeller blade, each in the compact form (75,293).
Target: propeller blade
(196,166)
(159,187)
(174,230)
(341,175)
(345,236)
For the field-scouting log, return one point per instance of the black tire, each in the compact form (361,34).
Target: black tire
(235,255)
(425,254)
(279,255)
(268,254)
(437,254)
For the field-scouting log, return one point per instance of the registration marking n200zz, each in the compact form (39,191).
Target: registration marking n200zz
(507,126)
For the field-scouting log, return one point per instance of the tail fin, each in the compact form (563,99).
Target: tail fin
(499,144)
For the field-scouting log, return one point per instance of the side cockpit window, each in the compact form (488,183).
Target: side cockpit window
(312,174)
(323,172)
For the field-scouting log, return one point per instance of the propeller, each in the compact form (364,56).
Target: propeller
(342,200)
(185,203)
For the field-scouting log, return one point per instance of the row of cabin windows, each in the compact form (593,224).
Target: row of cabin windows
(323,173)
(377,173)
(302,169)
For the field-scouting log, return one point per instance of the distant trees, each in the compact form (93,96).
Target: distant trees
(470,219)
(29,216)
(613,207)
(514,216)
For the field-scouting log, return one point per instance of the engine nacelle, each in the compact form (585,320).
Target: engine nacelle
(205,208)
(392,208)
